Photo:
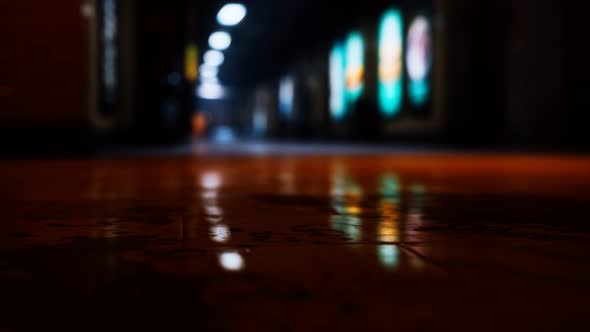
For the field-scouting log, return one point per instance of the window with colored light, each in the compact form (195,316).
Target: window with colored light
(390,43)
(286,96)
(419,60)
(355,66)
(337,83)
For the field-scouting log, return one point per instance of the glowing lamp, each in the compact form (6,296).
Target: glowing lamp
(419,60)
(220,40)
(390,63)
(231,14)
(213,58)
(337,83)
(355,66)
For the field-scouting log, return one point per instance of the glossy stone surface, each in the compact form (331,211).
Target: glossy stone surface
(376,242)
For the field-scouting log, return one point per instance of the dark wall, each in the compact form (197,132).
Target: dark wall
(577,73)
(517,73)
(475,83)
(537,111)
(163,31)
(42,74)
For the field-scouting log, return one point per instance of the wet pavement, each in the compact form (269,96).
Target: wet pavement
(377,242)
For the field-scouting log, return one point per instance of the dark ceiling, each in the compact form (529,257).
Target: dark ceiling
(275,32)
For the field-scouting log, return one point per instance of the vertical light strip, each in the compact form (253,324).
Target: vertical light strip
(109,51)
(419,60)
(355,66)
(337,83)
(390,41)
(191,63)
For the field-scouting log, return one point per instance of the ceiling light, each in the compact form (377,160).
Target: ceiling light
(220,40)
(210,91)
(231,14)
(208,72)
(213,58)
(210,80)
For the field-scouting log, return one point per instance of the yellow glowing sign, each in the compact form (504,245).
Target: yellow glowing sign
(191,63)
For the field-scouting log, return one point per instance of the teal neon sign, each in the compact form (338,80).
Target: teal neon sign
(337,83)
(390,43)
(355,66)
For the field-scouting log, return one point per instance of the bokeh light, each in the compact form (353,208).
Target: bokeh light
(219,40)
(231,14)
(213,58)
(337,83)
(231,261)
(355,66)
(286,96)
(419,60)
(191,62)
(390,63)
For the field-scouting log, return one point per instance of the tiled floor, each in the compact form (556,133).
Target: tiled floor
(377,242)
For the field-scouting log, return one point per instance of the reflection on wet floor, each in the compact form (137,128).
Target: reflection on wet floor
(355,242)
(346,199)
(219,232)
(350,219)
